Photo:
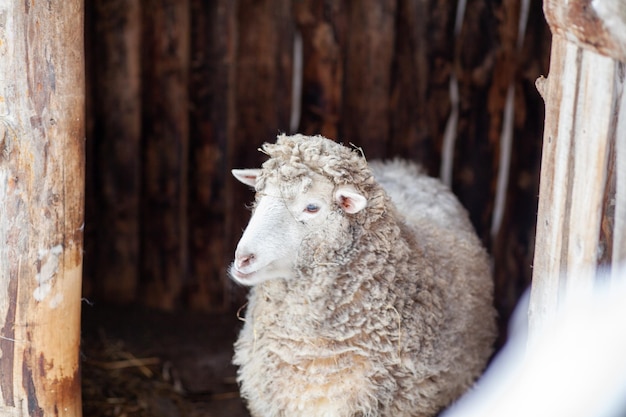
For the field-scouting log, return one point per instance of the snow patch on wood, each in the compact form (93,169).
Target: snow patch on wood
(49,260)
(613,15)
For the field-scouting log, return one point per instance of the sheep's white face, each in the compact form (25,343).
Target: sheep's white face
(281,219)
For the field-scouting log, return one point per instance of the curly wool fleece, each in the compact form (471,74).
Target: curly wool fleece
(384,317)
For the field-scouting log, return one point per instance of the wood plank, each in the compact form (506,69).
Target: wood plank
(580,96)
(166,151)
(619,237)
(117,154)
(420,99)
(367,84)
(42,141)
(212,114)
(322,26)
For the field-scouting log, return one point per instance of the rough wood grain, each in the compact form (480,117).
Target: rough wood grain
(213,41)
(117,136)
(166,151)
(41,206)
(368,61)
(420,102)
(618,255)
(581,95)
(322,25)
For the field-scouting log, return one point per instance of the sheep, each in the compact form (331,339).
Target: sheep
(371,294)
(574,365)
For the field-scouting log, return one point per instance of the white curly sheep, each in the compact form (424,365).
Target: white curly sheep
(371,294)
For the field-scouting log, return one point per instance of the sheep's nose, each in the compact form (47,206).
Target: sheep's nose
(243,260)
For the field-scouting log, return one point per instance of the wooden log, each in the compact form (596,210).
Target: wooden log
(582,94)
(211,125)
(367,85)
(618,255)
(322,25)
(41,206)
(117,153)
(166,151)
(477,135)
(599,25)
(420,100)
(264,75)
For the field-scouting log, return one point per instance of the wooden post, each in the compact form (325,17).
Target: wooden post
(117,136)
(41,206)
(211,94)
(166,150)
(370,41)
(322,25)
(583,94)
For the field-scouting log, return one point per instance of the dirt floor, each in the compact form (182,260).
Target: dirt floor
(147,363)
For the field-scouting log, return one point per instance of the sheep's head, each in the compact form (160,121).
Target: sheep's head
(305,194)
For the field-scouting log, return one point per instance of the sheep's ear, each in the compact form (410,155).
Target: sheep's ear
(246,176)
(349,199)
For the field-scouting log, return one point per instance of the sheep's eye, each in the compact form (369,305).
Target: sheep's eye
(311,208)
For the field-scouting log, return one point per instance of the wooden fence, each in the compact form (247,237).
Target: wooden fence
(181,91)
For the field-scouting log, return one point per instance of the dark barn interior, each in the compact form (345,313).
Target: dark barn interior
(179,92)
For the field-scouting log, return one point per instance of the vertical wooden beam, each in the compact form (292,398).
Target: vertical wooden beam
(211,95)
(618,256)
(420,98)
(479,114)
(367,85)
(41,206)
(322,25)
(584,118)
(166,150)
(117,136)
(581,97)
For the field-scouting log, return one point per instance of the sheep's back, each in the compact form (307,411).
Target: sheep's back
(419,197)
(454,259)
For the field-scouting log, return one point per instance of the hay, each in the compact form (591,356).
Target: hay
(121,383)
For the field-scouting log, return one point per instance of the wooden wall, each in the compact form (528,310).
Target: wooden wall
(181,91)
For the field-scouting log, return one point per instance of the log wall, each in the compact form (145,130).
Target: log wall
(181,92)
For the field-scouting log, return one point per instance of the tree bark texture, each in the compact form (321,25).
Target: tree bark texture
(584,106)
(377,74)
(370,38)
(211,125)
(41,206)
(165,163)
(117,137)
